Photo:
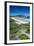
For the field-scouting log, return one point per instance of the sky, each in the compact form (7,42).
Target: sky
(19,10)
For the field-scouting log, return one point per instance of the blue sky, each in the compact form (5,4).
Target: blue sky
(19,10)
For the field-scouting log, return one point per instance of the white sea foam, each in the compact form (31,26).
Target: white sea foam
(20,20)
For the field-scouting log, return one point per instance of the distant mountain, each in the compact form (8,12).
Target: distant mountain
(28,16)
(22,16)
